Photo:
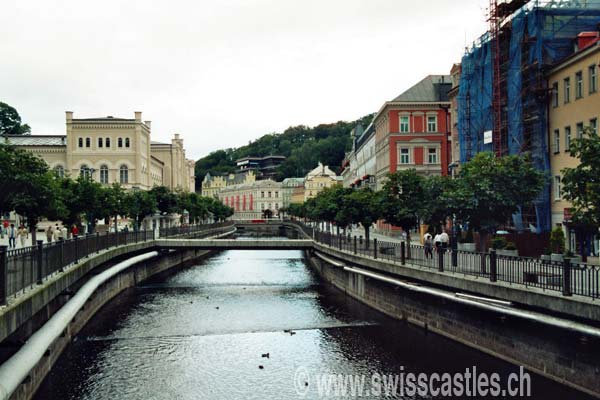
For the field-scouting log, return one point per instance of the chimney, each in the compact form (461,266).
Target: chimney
(148,124)
(69,115)
(177,136)
(138,116)
(585,39)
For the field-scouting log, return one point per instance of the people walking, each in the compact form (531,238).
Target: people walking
(56,233)
(437,240)
(74,230)
(445,240)
(428,245)
(12,235)
(49,234)
(23,234)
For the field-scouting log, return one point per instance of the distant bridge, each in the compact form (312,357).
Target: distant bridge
(233,244)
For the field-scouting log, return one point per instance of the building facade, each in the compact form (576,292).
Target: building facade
(359,166)
(264,167)
(289,186)
(453,98)
(318,179)
(212,184)
(574,106)
(112,150)
(253,200)
(412,131)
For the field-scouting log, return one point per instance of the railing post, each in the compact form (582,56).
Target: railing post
(441,259)
(403,253)
(567,277)
(40,260)
(76,249)
(493,266)
(3,274)
(454,253)
(97,242)
(355,247)
(61,251)
(374,247)
(360,240)
(483,263)
(340,241)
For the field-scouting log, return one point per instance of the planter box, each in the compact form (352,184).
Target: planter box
(545,257)
(466,246)
(556,257)
(510,253)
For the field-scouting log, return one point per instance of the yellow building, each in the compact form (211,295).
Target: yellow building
(318,179)
(212,185)
(574,105)
(113,150)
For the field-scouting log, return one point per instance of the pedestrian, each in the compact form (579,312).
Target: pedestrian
(437,240)
(49,234)
(445,239)
(74,230)
(12,235)
(428,245)
(56,235)
(23,234)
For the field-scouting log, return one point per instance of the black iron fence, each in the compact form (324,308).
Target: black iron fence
(566,277)
(196,231)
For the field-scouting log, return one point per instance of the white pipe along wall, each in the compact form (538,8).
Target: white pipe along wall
(16,368)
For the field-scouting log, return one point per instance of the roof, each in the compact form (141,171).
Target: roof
(265,183)
(35,140)
(230,179)
(287,182)
(321,170)
(259,158)
(431,89)
(109,118)
(159,143)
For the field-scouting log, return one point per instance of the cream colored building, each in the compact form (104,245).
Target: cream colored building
(318,179)
(574,105)
(253,200)
(113,150)
(291,186)
(213,184)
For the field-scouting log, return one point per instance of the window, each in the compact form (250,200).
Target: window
(100,142)
(104,174)
(567,138)
(555,94)
(431,123)
(120,142)
(567,90)
(262,194)
(59,171)
(594,125)
(127,143)
(80,142)
(557,194)
(579,130)
(556,142)
(276,194)
(579,85)
(404,124)
(124,174)
(85,171)
(107,142)
(88,142)
(432,157)
(593,81)
(404,156)
(269,196)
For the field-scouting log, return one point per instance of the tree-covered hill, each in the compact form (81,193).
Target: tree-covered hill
(302,146)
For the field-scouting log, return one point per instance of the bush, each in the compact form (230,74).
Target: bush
(557,241)
(510,246)
(499,243)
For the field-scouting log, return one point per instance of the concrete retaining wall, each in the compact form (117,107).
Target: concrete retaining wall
(558,354)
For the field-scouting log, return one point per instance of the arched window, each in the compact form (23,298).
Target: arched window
(100,142)
(80,142)
(127,142)
(104,174)
(120,142)
(107,142)
(59,171)
(124,174)
(85,171)
(88,142)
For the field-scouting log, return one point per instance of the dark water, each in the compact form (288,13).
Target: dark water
(201,334)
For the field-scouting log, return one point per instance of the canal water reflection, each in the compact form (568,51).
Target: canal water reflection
(202,333)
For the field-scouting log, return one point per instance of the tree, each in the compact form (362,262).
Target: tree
(166,200)
(114,200)
(10,121)
(219,210)
(139,204)
(363,207)
(581,185)
(490,190)
(90,196)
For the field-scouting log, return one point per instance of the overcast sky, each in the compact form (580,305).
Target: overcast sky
(223,72)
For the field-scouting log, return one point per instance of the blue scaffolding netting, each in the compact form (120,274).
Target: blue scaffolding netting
(539,35)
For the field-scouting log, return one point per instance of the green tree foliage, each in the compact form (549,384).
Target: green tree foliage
(139,205)
(404,199)
(18,169)
(581,185)
(10,121)
(166,200)
(90,197)
(302,146)
(363,207)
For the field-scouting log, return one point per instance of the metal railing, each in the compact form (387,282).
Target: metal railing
(197,231)
(560,276)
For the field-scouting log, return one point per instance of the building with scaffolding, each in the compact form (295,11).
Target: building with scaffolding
(503,94)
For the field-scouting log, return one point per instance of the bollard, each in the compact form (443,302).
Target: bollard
(40,260)
(567,277)
(375,248)
(403,253)
(441,259)
(493,266)
(3,274)
(355,247)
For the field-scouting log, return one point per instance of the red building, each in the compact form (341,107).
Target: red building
(413,130)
